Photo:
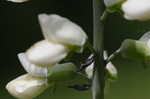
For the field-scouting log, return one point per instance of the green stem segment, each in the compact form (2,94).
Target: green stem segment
(98,83)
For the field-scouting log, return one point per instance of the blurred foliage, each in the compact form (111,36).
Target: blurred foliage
(19,29)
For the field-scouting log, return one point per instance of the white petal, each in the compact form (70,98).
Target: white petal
(32,69)
(109,67)
(89,70)
(18,1)
(136,9)
(62,30)
(148,43)
(26,86)
(111,70)
(45,53)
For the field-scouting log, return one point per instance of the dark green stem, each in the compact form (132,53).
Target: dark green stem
(98,83)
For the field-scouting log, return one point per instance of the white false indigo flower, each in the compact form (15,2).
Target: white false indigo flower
(136,9)
(46,53)
(32,69)
(38,71)
(18,1)
(27,87)
(61,30)
(132,9)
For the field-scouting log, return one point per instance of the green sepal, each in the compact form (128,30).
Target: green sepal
(73,48)
(62,72)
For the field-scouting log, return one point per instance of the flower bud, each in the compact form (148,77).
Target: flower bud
(62,30)
(89,70)
(18,1)
(136,9)
(26,86)
(134,50)
(45,53)
(112,71)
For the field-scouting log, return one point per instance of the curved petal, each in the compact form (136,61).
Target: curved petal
(45,53)
(136,9)
(26,86)
(59,29)
(18,1)
(32,69)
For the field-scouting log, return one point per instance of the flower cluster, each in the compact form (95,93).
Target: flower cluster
(132,9)
(61,37)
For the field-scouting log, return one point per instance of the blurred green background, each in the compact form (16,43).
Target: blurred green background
(19,29)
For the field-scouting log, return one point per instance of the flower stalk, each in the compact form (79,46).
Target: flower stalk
(98,83)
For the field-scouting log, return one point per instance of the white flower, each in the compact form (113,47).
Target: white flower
(18,1)
(46,72)
(32,69)
(26,86)
(45,53)
(136,9)
(89,70)
(62,30)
